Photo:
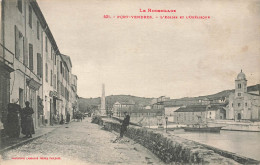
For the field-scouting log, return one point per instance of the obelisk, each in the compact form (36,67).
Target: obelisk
(103,102)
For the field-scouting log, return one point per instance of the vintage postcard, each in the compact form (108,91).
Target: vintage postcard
(130,82)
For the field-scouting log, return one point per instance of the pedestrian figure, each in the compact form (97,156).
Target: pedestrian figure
(123,128)
(61,119)
(29,128)
(23,121)
(81,117)
(124,125)
(12,124)
(68,118)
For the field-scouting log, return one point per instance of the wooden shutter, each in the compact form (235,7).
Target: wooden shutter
(39,64)
(25,54)
(31,56)
(46,72)
(51,79)
(17,50)
(41,67)
(54,81)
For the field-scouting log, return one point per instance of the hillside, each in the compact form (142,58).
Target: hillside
(86,104)
(224,93)
(89,104)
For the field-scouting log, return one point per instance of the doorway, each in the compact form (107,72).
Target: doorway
(21,97)
(239,116)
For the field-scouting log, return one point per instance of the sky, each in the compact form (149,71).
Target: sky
(157,57)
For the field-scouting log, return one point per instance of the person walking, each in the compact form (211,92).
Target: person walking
(29,127)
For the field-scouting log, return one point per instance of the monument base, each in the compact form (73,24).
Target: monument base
(103,113)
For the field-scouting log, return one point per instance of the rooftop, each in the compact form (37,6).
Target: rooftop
(192,108)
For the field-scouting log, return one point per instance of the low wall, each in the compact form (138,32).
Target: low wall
(170,148)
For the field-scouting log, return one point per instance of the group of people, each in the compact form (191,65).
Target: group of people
(79,116)
(13,126)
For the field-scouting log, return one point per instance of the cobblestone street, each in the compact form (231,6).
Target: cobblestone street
(81,143)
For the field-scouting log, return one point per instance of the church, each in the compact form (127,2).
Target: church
(243,105)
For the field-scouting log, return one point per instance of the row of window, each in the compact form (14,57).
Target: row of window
(63,91)
(19,5)
(64,72)
(20,8)
(21,48)
(239,104)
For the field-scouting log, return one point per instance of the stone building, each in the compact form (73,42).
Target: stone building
(22,42)
(66,88)
(243,105)
(190,114)
(32,67)
(159,102)
(169,111)
(6,67)
(146,112)
(120,107)
(216,112)
(50,52)
(193,114)
(73,95)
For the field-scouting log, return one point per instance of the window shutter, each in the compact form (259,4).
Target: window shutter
(17,50)
(46,72)
(39,64)
(31,56)
(41,67)
(25,54)
(54,81)
(51,78)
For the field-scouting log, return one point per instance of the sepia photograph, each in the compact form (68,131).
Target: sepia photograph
(160,82)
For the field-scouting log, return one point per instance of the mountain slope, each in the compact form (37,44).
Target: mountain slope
(89,104)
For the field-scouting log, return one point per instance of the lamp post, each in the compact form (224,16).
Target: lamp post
(166,121)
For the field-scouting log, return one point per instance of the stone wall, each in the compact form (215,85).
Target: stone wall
(173,149)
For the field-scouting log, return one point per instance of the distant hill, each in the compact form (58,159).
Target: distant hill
(89,104)
(224,93)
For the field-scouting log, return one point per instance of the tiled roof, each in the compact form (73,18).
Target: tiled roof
(254,94)
(66,59)
(217,106)
(192,108)
(147,111)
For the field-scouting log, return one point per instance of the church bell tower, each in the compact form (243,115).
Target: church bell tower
(241,84)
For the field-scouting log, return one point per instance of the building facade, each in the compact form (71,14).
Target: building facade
(190,114)
(6,67)
(73,95)
(243,105)
(194,114)
(120,107)
(31,64)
